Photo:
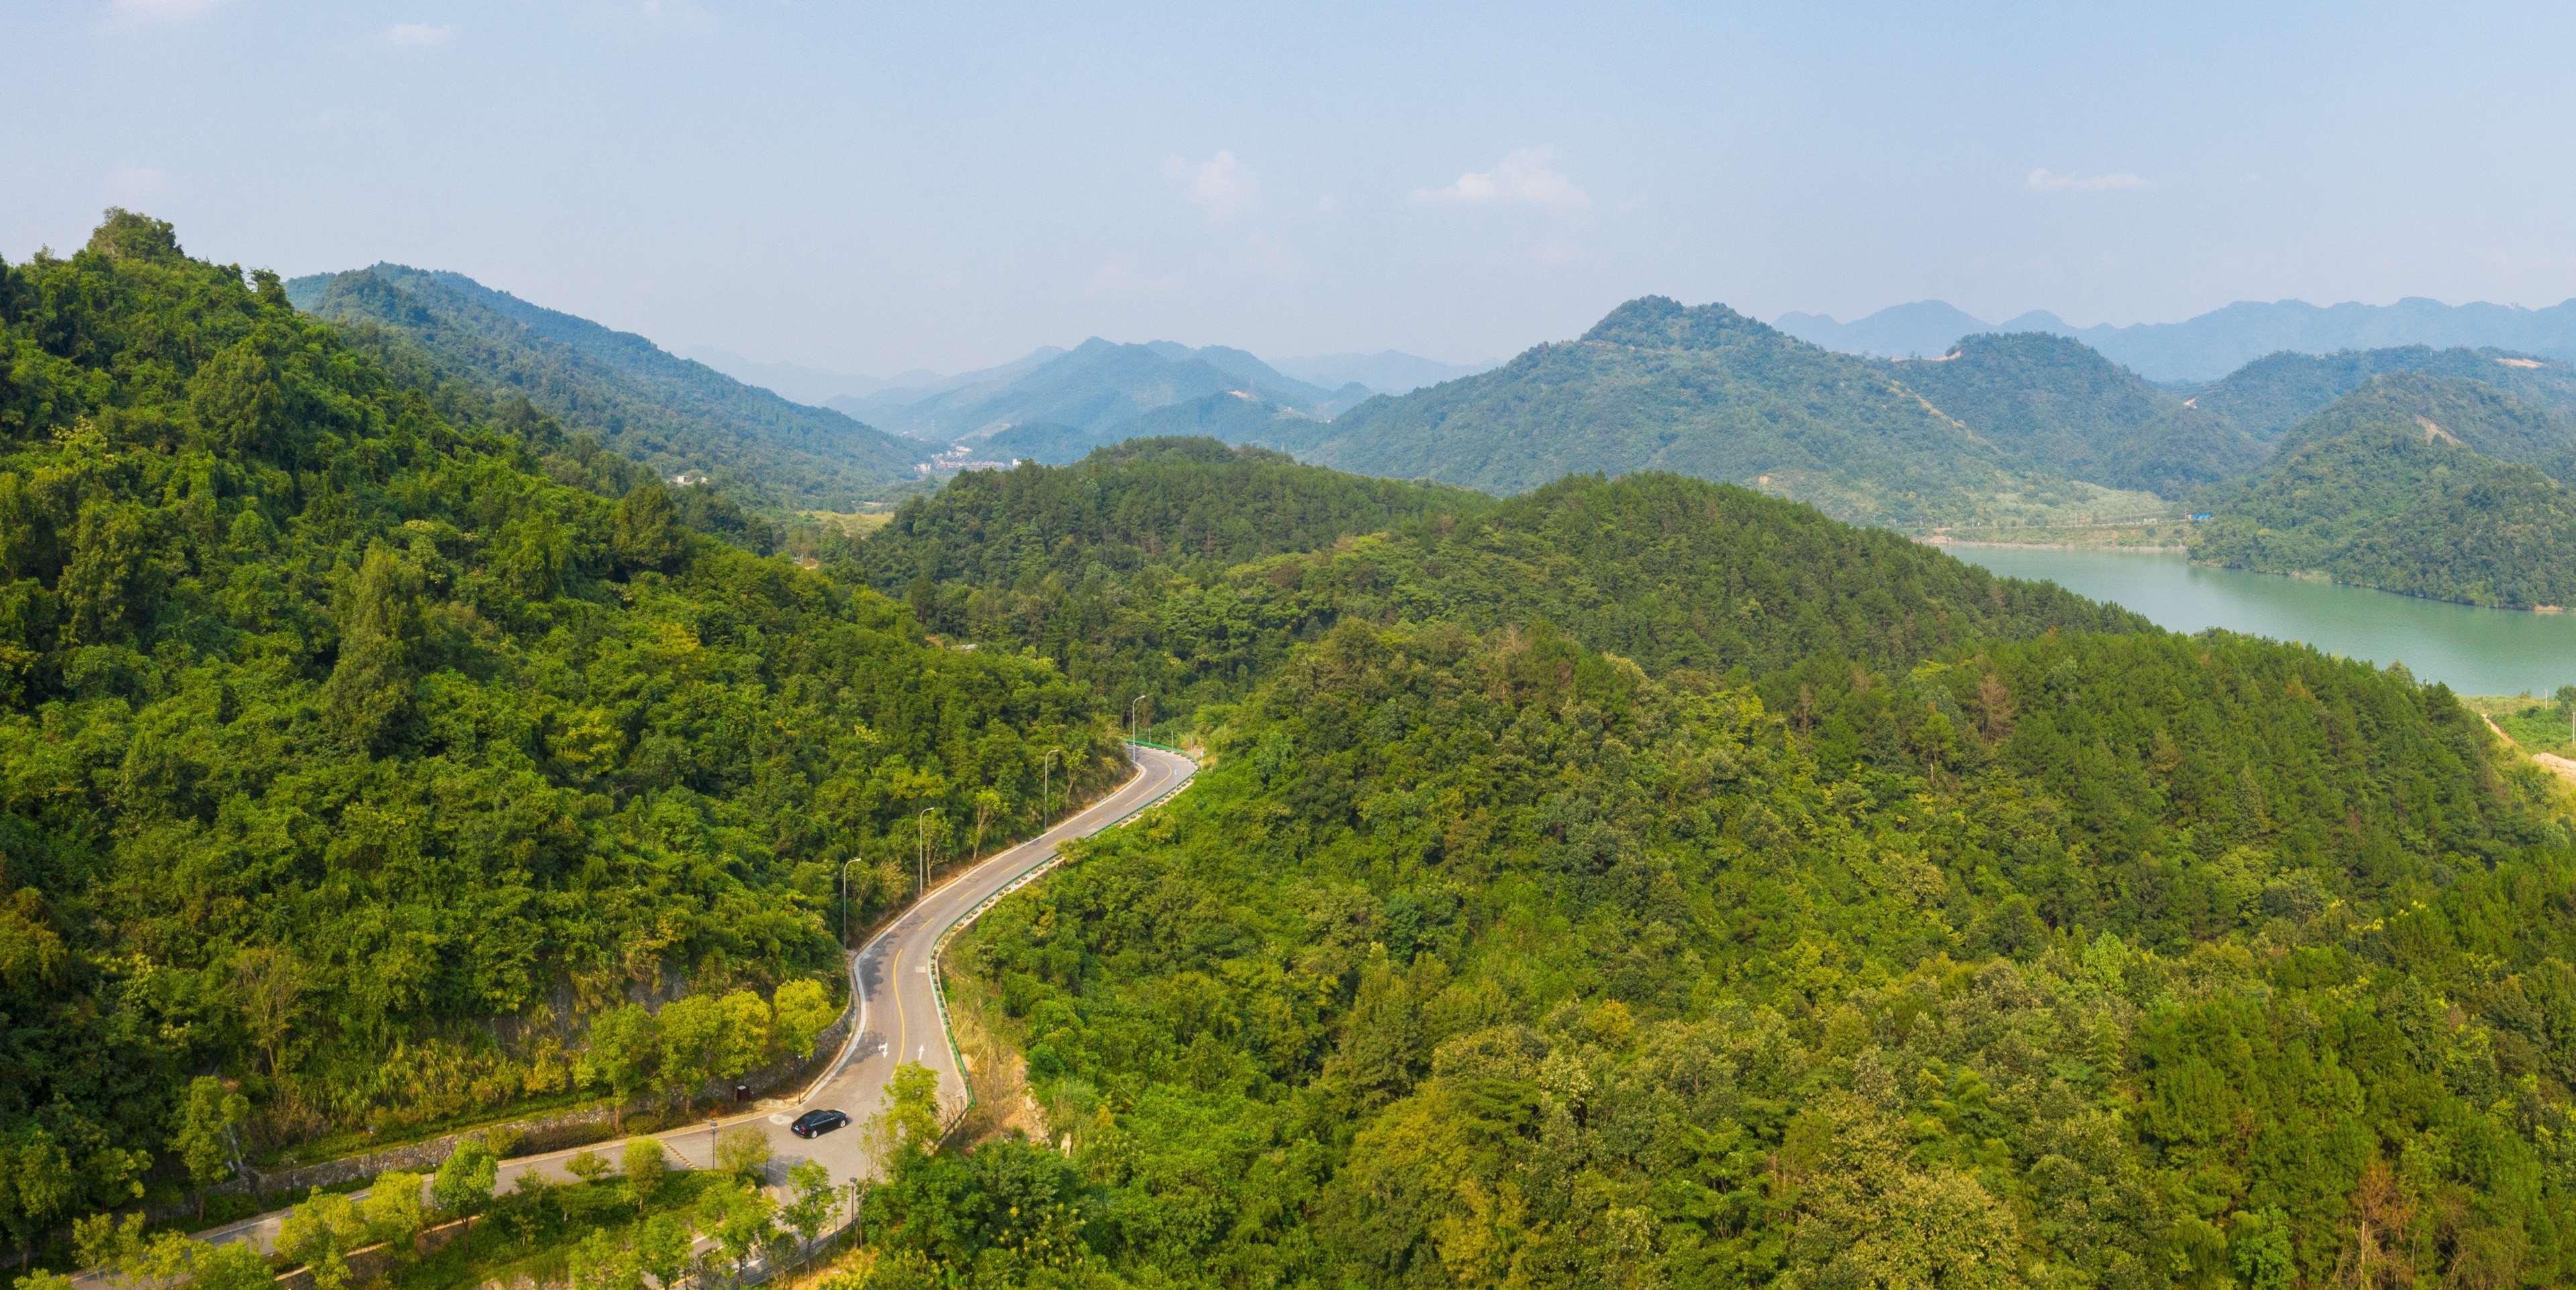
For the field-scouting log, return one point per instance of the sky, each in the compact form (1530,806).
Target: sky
(870,188)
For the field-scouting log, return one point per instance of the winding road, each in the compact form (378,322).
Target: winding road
(900,1014)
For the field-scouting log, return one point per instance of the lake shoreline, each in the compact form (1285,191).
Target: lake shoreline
(2474,650)
(1936,539)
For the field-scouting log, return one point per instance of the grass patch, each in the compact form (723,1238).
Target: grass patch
(856,524)
(2539,724)
(530,1234)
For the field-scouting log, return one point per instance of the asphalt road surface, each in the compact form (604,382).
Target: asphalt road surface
(899,1018)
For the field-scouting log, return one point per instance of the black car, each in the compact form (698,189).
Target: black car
(814,1124)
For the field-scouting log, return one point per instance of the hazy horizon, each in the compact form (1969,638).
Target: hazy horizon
(876,193)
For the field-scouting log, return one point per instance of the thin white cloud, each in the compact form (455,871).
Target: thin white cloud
(2045,180)
(136,13)
(421,33)
(1525,176)
(1222,186)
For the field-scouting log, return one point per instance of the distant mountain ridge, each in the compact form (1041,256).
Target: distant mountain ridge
(1708,392)
(677,416)
(2210,345)
(2428,485)
(1093,388)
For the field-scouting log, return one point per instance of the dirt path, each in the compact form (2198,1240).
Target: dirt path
(2551,762)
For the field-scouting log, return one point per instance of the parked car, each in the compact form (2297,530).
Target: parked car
(814,1124)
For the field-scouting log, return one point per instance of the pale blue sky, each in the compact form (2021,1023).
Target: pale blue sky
(874,187)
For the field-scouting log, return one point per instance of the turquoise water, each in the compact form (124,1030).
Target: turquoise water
(2474,651)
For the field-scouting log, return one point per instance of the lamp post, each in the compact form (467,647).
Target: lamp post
(845,902)
(923,820)
(1131,728)
(1046,784)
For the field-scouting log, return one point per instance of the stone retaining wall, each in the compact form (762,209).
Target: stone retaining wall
(541,1133)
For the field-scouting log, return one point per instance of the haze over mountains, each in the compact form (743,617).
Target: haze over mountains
(866,397)
(1996,430)
(2210,345)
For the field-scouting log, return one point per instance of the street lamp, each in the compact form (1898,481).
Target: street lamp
(845,902)
(924,821)
(1046,783)
(1131,728)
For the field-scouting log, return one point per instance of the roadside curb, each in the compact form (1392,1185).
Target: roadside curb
(1054,857)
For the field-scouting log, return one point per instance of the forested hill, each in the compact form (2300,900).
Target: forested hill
(2270,396)
(1189,569)
(1193,502)
(2425,485)
(1706,392)
(357,758)
(677,416)
(2053,405)
(1843,917)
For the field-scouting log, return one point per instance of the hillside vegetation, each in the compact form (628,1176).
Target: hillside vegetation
(2053,405)
(1186,570)
(358,759)
(2271,396)
(1705,392)
(676,416)
(2415,484)
(1560,906)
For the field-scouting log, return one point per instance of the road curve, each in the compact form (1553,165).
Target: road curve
(899,1014)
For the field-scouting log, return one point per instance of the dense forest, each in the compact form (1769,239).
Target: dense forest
(1534,924)
(1188,570)
(355,755)
(676,416)
(1484,959)
(2418,484)
(1640,880)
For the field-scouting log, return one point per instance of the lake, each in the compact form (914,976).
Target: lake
(2474,651)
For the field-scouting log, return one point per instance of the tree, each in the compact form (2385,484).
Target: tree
(662,1248)
(644,1164)
(207,1116)
(268,983)
(125,235)
(646,533)
(587,1165)
(741,1221)
(988,803)
(36,1188)
(743,1151)
(746,1034)
(625,1049)
(464,1182)
(809,1210)
(600,1262)
(909,1122)
(695,1043)
(319,1234)
(803,1009)
(369,696)
(394,1210)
